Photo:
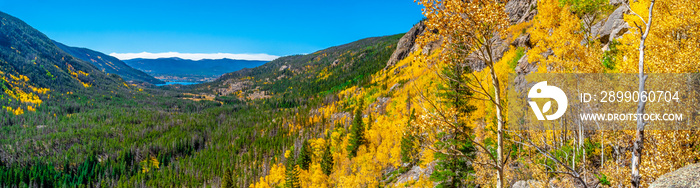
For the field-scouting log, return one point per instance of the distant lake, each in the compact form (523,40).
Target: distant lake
(181,83)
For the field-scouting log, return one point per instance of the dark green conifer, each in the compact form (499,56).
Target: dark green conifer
(357,131)
(454,168)
(292,172)
(305,156)
(327,158)
(227,181)
(408,142)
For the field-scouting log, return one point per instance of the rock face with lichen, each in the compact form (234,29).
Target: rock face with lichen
(520,11)
(527,184)
(688,176)
(611,27)
(407,44)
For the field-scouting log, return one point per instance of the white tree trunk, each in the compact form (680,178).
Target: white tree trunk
(499,117)
(639,140)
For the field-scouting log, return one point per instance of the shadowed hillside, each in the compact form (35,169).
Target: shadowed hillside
(31,67)
(108,64)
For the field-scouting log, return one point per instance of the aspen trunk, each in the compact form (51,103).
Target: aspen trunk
(639,140)
(499,117)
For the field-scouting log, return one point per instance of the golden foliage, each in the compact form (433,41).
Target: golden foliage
(17,111)
(557,29)
(76,74)
(20,89)
(149,163)
(673,44)
(274,179)
(464,27)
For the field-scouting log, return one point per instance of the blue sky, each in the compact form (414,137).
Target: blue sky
(275,27)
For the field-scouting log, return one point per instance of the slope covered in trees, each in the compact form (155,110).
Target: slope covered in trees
(108,64)
(449,102)
(32,68)
(342,117)
(125,135)
(313,75)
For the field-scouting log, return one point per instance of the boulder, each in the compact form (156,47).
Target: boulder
(528,184)
(476,60)
(398,69)
(415,173)
(394,87)
(335,63)
(616,2)
(524,67)
(522,41)
(612,27)
(688,176)
(518,11)
(521,10)
(380,105)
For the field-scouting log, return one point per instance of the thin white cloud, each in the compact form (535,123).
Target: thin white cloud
(194,56)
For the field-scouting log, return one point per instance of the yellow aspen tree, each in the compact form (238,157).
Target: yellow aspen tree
(468,31)
(562,43)
(675,45)
(675,38)
(558,33)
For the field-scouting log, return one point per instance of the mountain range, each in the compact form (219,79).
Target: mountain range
(185,70)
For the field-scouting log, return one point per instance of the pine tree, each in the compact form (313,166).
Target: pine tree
(357,131)
(454,168)
(292,172)
(408,141)
(371,120)
(227,181)
(327,159)
(455,93)
(304,156)
(466,28)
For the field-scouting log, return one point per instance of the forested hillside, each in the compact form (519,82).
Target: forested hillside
(33,68)
(67,124)
(299,77)
(438,117)
(428,108)
(126,135)
(108,64)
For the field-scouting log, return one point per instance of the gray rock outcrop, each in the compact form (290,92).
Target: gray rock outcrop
(688,176)
(415,173)
(528,184)
(406,44)
(521,10)
(614,26)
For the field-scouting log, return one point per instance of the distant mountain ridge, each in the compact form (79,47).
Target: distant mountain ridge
(178,69)
(109,64)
